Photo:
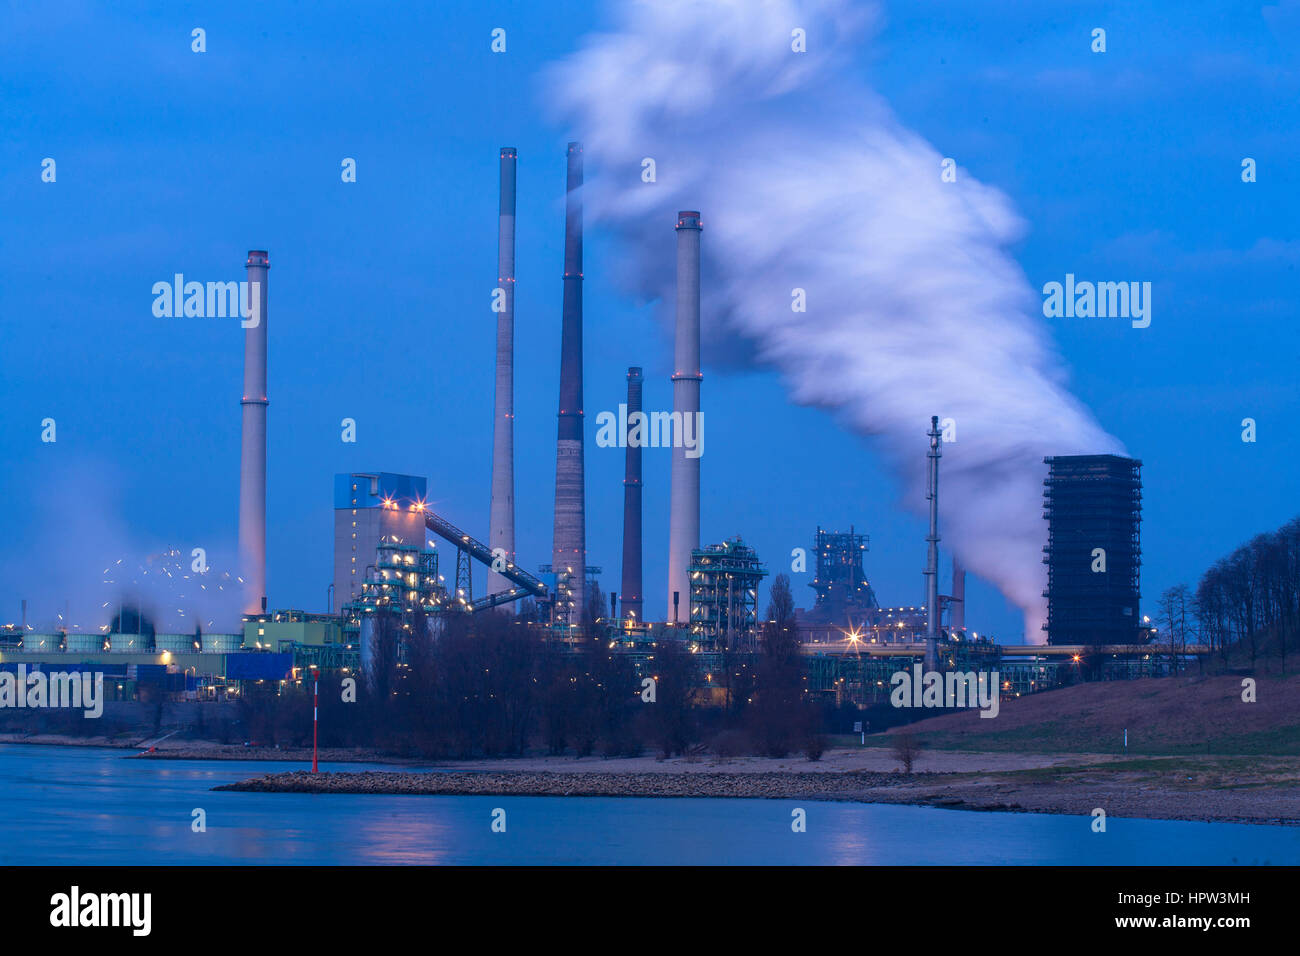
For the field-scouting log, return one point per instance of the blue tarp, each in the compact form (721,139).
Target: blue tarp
(254,665)
(151,673)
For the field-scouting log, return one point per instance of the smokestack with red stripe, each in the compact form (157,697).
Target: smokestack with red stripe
(501,526)
(252,458)
(633,603)
(569,552)
(684,503)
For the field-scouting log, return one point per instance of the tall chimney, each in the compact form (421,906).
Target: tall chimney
(501,525)
(633,602)
(252,459)
(684,513)
(957,607)
(569,551)
(932,554)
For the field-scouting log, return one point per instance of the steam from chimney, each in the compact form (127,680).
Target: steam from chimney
(913,305)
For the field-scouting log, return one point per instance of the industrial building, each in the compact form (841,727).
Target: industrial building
(195,667)
(724,581)
(281,630)
(371,509)
(855,672)
(404,578)
(386,559)
(1093,507)
(843,592)
(846,607)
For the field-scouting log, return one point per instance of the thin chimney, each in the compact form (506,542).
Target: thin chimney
(932,553)
(501,526)
(633,602)
(569,551)
(684,503)
(252,459)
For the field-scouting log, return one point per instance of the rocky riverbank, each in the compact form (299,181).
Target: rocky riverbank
(825,786)
(1120,791)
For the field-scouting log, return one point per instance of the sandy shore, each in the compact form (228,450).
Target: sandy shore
(852,760)
(1204,789)
(849,759)
(856,759)
(206,750)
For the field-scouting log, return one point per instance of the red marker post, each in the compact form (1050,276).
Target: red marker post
(315,712)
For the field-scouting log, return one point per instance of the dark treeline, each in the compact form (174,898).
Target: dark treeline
(1247,605)
(485,686)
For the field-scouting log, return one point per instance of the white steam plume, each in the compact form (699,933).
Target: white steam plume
(805,179)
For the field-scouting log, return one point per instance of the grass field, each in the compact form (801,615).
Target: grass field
(1167,717)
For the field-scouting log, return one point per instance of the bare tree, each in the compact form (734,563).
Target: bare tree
(1173,621)
(781,717)
(672,718)
(594,610)
(1211,610)
(906,748)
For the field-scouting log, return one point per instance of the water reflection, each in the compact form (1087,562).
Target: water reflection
(81,805)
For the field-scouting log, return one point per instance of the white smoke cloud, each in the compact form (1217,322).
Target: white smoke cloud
(80,562)
(806,179)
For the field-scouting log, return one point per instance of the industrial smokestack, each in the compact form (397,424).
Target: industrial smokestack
(632,596)
(569,552)
(887,253)
(932,555)
(684,513)
(501,525)
(957,612)
(252,459)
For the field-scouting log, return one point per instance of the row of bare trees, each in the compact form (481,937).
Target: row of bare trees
(1247,602)
(485,686)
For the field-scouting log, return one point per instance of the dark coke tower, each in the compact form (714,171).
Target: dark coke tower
(1093,507)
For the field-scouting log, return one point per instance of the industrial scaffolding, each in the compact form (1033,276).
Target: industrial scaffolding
(724,580)
(843,591)
(404,579)
(1093,507)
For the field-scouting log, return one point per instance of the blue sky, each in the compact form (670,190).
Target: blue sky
(1124,165)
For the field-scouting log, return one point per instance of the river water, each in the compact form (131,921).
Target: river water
(74,805)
